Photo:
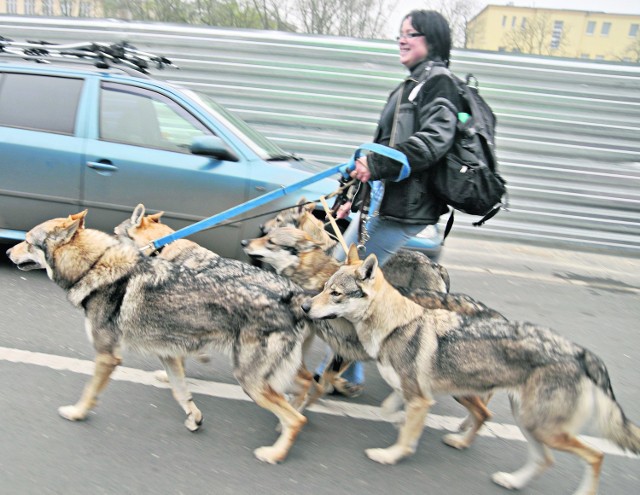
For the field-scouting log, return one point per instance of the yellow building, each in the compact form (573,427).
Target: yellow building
(561,33)
(50,8)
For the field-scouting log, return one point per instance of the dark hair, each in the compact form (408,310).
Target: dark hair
(436,32)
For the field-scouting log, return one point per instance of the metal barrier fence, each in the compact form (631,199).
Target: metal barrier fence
(568,130)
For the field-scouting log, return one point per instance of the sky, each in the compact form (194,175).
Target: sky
(609,6)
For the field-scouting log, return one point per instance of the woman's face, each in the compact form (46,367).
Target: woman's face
(412,50)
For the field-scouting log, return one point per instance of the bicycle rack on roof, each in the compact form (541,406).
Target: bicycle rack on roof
(103,55)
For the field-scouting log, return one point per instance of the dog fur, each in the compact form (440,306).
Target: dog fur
(155,306)
(296,255)
(553,384)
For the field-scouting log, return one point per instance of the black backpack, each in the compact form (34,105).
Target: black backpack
(468,179)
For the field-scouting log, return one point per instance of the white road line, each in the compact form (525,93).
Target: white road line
(234,392)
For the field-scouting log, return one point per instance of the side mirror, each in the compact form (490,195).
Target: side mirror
(212,146)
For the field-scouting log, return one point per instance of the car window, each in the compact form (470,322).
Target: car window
(41,103)
(141,117)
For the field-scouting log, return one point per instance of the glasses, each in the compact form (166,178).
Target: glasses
(408,36)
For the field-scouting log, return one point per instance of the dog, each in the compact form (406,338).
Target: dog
(155,306)
(296,255)
(303,258)
(553,383)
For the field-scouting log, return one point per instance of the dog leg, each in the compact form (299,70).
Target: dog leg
(416,412)
(468,422)
(290,419)
(478,413)
(303,383)
(174,367)
(105,363)
(538,461)
(593,458)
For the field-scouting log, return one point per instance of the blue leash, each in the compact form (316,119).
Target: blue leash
(343,169)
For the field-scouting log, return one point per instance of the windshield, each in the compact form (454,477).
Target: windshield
(259,144)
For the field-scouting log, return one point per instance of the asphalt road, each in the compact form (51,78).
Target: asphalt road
(135,441)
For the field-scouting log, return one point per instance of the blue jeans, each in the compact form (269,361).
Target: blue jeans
(386,237)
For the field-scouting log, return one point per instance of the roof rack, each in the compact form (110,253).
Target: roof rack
(103,55)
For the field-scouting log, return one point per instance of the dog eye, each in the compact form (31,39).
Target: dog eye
(335,293)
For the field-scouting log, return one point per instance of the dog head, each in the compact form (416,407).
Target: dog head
(36,252)
(349,292)
(280,248)
(289,217)
(142,229)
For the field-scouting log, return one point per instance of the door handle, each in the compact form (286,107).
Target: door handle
(102,167)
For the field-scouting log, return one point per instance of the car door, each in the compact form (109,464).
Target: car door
(40,154)
(141,155)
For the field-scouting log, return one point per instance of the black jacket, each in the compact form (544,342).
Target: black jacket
(424,131)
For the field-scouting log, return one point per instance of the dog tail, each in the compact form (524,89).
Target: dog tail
(613,422)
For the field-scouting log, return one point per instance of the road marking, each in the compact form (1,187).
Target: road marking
(234,392)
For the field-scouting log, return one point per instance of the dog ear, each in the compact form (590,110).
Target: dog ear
(367,270)
(301,204)
(137,215)
(79,216)
(352,255)
(155,217)
(69,228)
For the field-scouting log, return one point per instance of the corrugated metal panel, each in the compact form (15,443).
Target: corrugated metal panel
(568,130)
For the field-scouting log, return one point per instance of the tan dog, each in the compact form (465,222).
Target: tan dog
(142,230)
(296,255)
(164,309)
(553,384)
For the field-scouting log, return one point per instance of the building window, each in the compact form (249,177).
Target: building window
(504,20)
(513,21)
(606,27)
(584,55)
(591,27)
(556,35)
(12,6)
(633,30)
(599,57)
(502,49)
(29,7)
(47,7)
(523,24)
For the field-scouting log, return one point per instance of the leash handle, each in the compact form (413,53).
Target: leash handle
(380,149)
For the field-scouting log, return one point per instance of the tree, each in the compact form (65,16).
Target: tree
(355,18)
(537,35)
(632,51)
(457,13)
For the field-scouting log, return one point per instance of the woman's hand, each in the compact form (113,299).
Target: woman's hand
(361,171)
(343,210)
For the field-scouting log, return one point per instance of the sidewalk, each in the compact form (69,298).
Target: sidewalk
(611,271)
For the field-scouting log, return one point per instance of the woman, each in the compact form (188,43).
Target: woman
(421,123)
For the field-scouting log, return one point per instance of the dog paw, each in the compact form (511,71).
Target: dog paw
(505,480)
(161,376)
(384,456)
(193,421)
(269,454)
(456,441)
(72,413)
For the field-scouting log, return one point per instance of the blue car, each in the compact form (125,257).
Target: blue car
(76,136)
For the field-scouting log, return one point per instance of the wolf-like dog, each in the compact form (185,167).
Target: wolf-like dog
(301,256)
(298,256)
(553,384)
(158,307)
